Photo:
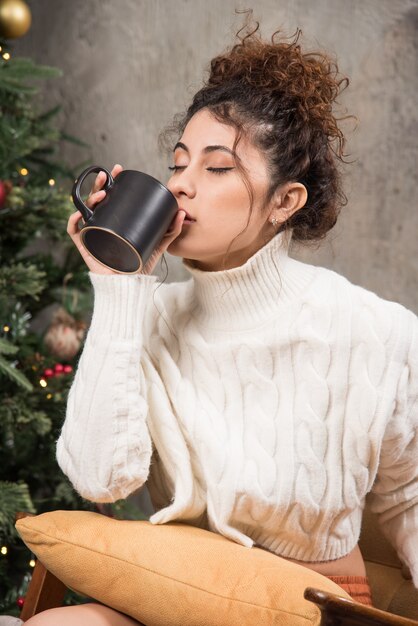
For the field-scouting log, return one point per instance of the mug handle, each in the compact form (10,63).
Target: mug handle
(83,208)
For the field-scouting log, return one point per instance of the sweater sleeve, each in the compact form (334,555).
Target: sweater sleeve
(394,496)
(104,447)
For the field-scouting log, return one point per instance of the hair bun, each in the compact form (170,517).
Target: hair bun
(308,81)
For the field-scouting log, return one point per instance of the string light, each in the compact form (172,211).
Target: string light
(3,549)
(43,382)
(32,562)
(24,171)
(49,396)
(51,182)
(6,56)
(6,329)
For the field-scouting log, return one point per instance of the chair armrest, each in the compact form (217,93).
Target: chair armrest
(339,611)
(45,590)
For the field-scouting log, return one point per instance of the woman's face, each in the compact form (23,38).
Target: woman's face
(218,201)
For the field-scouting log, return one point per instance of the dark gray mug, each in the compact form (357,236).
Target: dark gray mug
(124,229)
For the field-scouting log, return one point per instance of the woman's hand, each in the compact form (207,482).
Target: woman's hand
(174,231)
(96,195)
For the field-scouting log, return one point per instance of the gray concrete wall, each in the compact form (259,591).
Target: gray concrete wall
(130,65)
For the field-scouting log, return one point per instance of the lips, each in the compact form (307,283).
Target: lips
(188,216)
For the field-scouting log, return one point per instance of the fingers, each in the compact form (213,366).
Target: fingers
(72,224)
(101,178)
(97,193)
(116,170)
(94,198)
(99,181)
(176,225)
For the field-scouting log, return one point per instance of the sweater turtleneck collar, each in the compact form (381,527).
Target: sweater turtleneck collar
(252,293)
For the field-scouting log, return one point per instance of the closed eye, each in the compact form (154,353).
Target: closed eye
(215,170)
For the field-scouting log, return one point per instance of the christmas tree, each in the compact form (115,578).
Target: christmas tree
(44,307)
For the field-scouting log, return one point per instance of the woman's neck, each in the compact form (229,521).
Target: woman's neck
(248,295)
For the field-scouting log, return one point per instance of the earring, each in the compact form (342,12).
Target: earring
(274,221)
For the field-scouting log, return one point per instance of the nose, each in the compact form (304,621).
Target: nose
(181,184)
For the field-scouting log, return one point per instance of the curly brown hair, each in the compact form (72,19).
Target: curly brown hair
(282,99)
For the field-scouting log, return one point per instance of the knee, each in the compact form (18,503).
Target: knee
(88,614)
(62,616)
(46,617)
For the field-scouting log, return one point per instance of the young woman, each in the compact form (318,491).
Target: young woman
(265,397)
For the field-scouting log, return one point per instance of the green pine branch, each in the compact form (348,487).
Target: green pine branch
(24,131)
(22,279)
(15,73)
(8,370)
(14,497)
(39,211)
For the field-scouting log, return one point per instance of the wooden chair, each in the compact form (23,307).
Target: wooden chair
(390,582)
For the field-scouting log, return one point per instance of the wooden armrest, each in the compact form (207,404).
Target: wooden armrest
(339,611)
(45,590)
(21,514)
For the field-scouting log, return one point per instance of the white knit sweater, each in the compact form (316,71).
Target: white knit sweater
(262,402)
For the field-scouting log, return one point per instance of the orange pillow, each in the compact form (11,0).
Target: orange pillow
(172,574)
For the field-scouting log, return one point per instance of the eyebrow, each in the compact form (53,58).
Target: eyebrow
(180,144)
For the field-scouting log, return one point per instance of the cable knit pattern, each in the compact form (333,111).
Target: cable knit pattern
(105,447)
(262,402)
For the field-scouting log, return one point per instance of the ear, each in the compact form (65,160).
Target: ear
(288,199)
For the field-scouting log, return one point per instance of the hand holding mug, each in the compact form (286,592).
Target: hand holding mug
(132,228)
(96,195)
(172,233)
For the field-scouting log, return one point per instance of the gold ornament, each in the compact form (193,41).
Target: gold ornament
(15,18)
(64,336)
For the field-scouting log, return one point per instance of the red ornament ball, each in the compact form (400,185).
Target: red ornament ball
(20,601)
(6,186)
(67,369)
(48,372)
(58,368)
(3,194)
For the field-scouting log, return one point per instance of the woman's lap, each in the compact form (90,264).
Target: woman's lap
(88,614)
